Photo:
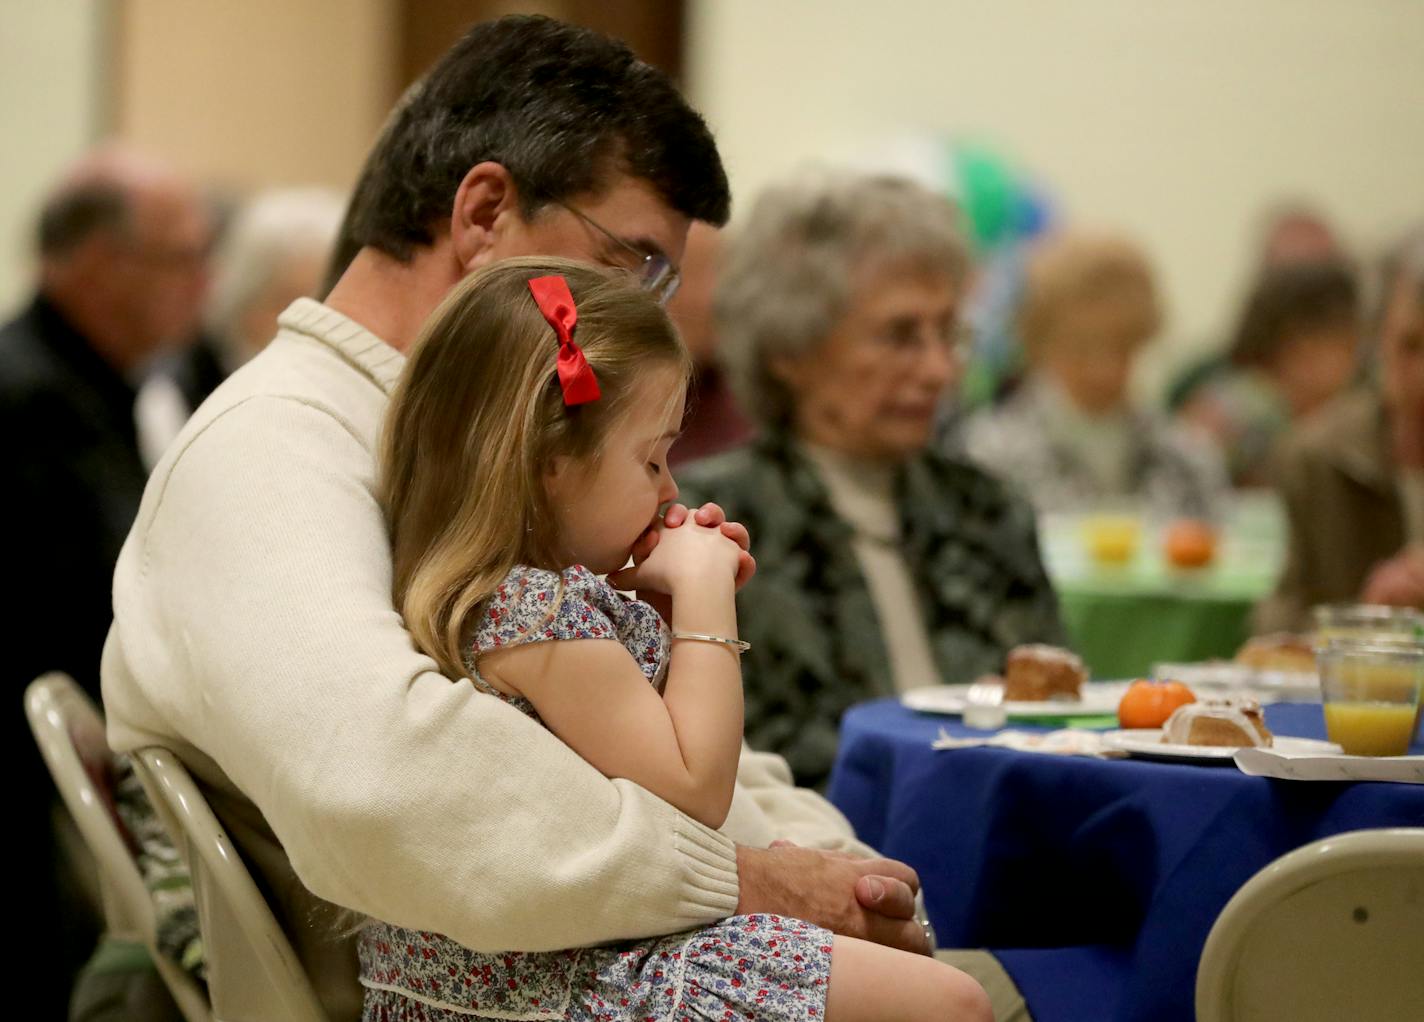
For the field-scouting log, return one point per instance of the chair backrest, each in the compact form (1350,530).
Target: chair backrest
(1332,930)
(253,973)
(70,733)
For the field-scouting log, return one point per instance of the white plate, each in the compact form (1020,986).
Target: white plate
(1099,697)
(1147,743)
(1273,686)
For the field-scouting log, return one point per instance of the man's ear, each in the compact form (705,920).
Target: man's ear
(486,194)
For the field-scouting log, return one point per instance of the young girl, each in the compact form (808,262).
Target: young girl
(525,454)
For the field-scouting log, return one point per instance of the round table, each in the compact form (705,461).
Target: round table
(1095,881)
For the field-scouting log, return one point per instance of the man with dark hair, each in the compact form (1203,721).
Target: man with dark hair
(254,631)
(558,118)
(122,244)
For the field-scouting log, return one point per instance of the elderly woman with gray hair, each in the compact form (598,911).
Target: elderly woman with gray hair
(883,563)
(272,253)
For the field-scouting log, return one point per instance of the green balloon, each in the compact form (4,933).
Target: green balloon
(988,193)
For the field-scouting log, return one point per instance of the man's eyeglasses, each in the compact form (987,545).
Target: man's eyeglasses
(656,273)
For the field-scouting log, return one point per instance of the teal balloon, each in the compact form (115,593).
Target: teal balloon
(1001,206)
(989,194)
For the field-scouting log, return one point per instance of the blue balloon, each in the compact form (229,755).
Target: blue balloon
(1033,214)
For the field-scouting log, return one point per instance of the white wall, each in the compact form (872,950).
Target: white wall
(256,92)
(1177,122)
(50,110)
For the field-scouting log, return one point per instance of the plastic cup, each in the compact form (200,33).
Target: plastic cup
(1367,622)
(1371,692)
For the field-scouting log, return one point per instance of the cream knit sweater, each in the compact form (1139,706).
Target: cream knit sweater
(254,635)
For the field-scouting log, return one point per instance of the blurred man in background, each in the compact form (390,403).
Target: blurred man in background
(271,251)
(122,244)
(1294,233)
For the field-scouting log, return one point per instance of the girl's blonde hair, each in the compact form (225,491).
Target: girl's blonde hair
(478,417)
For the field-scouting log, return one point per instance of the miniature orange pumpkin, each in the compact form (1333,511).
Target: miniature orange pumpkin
(1190,543)
(1148,704)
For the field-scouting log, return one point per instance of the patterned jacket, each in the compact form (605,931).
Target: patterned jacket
(1172,470)
(817,645)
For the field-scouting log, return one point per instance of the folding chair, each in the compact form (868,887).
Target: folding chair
(253,973)
(1330,931)
(70,733)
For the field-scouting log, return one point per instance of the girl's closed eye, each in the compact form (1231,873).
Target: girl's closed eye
(657,460)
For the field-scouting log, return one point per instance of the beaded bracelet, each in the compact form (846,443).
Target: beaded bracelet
(740,645)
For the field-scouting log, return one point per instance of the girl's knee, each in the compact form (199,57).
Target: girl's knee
(964,999)
(870,983)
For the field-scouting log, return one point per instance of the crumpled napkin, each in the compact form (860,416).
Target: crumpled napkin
(1070,741)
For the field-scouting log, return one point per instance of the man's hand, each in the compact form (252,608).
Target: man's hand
(1406,418)
(1398,581)
(873,899)
(710,515)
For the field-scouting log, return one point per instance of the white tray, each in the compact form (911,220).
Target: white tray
(1307,766)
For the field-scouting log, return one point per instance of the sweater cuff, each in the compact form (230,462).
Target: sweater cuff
(709,862)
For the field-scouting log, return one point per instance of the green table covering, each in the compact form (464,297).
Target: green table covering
(1122,619)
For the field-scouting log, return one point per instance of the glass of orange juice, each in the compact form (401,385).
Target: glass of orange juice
(1371,690)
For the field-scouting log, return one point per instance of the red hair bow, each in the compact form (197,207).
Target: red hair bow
(576,377)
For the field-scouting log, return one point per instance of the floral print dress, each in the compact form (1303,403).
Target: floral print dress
(746,967)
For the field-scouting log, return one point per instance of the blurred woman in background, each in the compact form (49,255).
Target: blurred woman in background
(272,253)
(1353,476)
(1070,437)
(882,564)
(1295,347)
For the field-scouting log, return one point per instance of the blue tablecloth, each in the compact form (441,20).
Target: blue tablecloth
(1120,867)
